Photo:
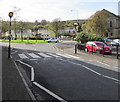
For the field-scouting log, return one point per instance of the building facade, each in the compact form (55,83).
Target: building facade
(113,24)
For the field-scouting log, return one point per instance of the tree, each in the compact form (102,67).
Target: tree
(56,26)
(15,10)
(21,27)
(43,22)
(5,27)
(97,23)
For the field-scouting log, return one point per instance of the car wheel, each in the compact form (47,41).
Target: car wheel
(86,50)
(56,41)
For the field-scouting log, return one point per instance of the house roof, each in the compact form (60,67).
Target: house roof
(110,12)
(104,10)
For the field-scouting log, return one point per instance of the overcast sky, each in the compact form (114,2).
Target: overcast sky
(31,10)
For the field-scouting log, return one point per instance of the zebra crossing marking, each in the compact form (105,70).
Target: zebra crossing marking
(48,55)
(44,55)
(53,55)
(22,56)
(34,55)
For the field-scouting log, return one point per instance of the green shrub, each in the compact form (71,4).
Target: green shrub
(84,37)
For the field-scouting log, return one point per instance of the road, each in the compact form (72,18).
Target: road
(64,76)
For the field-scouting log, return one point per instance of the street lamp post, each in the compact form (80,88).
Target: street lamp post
(9,48)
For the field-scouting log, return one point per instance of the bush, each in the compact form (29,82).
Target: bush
(84,37)
(94,37)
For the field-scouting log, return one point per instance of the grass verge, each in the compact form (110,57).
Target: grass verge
(25,41)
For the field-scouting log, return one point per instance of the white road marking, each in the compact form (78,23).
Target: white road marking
(33,59)
(33,55)
(94,71)
(49,92)
(23,56)
(63,55)
(53,55)
(44,55)
(75,57)
(110,78)
(84,67)
(103,63)
(116,67)
(25,83)
(32,69)
(38,85)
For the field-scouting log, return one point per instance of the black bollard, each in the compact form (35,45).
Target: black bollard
(103,51)
(75,48)
(117,51)
(92,48)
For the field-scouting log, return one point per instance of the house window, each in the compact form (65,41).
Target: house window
(111,23)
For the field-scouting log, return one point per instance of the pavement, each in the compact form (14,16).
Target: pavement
(13,85)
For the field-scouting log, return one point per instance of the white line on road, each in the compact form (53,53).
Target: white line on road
(94,71)
(44,55)
(33,59)
(32,69)
(49,92)
(63,55)
(75,57)
(110,78)
(23,56)
(25,83)
(103,63)
(34,55)
(53,55)
(41,87)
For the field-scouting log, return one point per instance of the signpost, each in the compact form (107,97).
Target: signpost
(9,48)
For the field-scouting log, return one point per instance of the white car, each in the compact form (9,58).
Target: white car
(53,40)
(117,41)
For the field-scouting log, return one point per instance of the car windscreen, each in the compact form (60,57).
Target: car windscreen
(100,44)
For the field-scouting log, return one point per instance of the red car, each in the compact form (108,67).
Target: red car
(97,46)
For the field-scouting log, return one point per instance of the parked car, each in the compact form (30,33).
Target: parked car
(117,41)
(53,40)
(97,46)
(110,42)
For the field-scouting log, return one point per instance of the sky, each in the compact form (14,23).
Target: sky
(31,10)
